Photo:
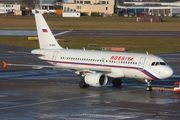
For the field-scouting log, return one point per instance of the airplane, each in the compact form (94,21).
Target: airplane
(96,67)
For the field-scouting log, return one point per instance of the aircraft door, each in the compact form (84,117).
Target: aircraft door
(141,63)
(54,55)
(102,61)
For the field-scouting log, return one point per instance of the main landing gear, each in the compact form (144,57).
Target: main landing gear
(82,83)
(149,87)
(116,82)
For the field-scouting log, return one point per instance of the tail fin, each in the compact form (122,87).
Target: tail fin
(45,36)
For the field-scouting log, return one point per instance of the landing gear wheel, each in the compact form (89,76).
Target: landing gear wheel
(86,85)
(116,82)
(82,84)
(149,88)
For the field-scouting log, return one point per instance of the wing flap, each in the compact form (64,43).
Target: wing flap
(86,71)
(28,65)
(15,53)
(61,33)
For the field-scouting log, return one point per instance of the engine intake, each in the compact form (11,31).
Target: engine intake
(96,79)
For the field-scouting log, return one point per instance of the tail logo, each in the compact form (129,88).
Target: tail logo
(44,30)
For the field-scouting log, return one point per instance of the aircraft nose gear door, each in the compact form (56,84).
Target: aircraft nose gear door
(54,57)
(141,63)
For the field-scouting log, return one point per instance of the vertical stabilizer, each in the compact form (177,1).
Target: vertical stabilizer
(45,36)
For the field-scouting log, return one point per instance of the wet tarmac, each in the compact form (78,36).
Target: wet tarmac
(174,34)
(46,94)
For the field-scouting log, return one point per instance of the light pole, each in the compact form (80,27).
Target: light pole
(40,4)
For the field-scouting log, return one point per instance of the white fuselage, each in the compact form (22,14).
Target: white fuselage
(95,67)
(117,64)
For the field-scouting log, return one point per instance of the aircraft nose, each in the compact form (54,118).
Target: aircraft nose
(167,72)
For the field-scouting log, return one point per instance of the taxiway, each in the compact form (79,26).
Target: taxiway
(171,34)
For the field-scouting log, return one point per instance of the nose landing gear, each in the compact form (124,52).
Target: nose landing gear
(149,87)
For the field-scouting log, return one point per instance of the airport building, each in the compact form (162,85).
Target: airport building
(89,6)
(49,6)
(144,10)
(149,7)
(123,7)
(9,8)
(102,7)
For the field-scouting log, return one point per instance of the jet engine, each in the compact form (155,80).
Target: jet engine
(96,79)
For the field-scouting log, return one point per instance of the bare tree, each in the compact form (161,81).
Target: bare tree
(58,4)
(30,3)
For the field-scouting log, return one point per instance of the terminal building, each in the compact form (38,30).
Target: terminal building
(102,7)
(124,7)
(49,6)
(9,8)
(145,10)
(89,6)
(149,7)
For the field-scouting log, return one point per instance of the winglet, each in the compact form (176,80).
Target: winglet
(4,64)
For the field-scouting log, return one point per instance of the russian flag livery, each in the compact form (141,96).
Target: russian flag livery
(44,30)
(95,67)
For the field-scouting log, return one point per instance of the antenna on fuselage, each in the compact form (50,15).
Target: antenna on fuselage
(147,53)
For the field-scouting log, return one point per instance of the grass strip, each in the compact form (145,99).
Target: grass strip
(153,45)
(56,22)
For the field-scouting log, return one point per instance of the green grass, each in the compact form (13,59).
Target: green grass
(132,44)
(56,22)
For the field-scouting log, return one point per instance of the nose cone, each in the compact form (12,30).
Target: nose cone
(167,72)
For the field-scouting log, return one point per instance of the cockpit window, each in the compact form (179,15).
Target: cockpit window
(153,64)
(158,63)
(162,63)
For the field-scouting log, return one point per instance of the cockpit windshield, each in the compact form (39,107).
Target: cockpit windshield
(162,63)
(158,63)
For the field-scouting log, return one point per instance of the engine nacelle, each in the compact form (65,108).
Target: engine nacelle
(96,79)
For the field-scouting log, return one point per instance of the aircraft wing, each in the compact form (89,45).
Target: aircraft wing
(19,53)
(105,70)
(61,33)
(29,65)
(14,52)
(86,71)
